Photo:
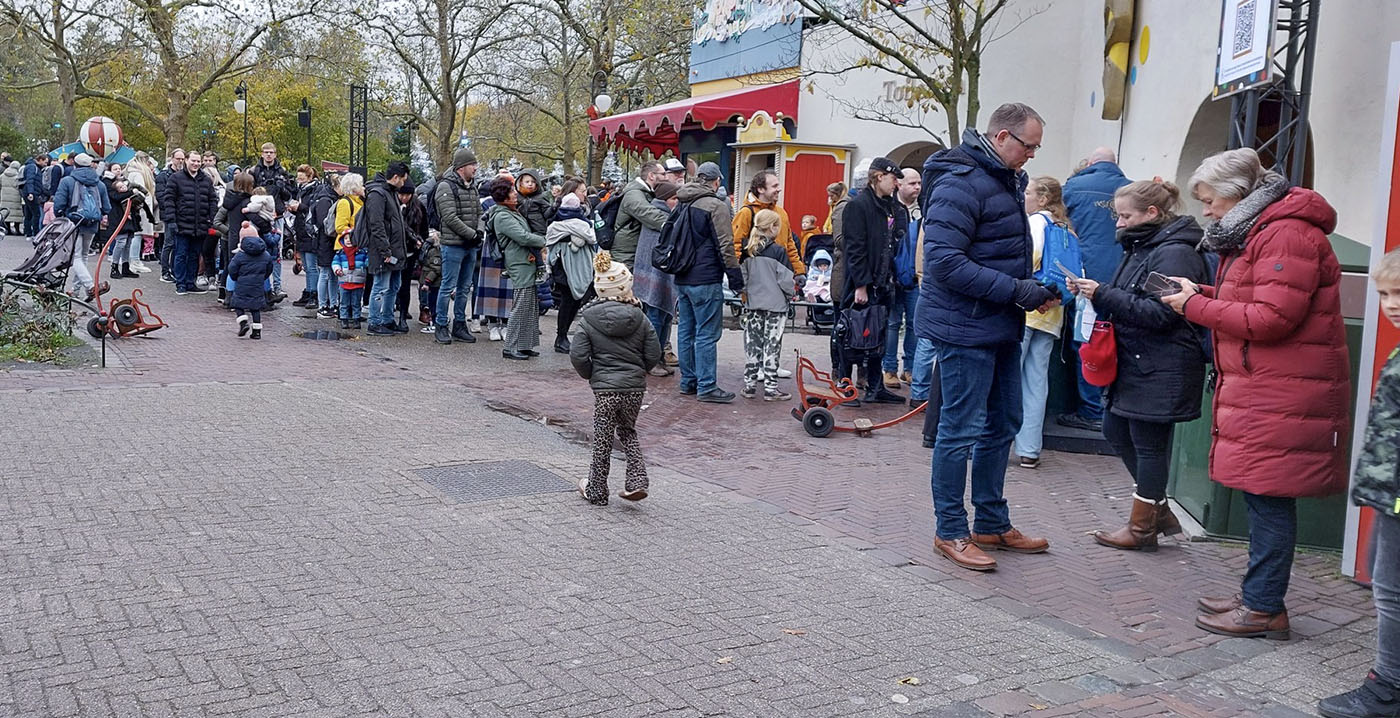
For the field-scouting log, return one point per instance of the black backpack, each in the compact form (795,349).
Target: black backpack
(430,200)
(681,238)
(605,219)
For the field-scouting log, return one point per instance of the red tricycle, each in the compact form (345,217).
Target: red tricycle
(819,394)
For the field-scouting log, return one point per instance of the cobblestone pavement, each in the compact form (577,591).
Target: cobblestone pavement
(221,527)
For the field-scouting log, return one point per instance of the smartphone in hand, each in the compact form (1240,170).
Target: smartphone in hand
(1160,285)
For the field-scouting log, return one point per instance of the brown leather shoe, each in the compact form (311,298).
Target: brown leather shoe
(1219,605)
(1141,532)
(1245,623)
(1167,524)
(964,552)
(1012,540)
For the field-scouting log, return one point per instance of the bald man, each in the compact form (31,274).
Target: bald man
(1089,197)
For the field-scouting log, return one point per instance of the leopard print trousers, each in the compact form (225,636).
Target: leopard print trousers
(615,413)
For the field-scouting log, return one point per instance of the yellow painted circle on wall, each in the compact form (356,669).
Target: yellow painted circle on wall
(1144,42)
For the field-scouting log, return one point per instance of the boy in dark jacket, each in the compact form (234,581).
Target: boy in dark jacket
(613,347)
(1377,485)
(250,268)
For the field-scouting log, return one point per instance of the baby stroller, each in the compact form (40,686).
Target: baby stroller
(53,256)
(821,317)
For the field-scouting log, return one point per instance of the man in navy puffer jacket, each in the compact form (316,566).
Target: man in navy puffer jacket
(977,288)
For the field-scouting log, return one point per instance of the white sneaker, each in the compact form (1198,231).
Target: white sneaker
(201,283)
(475,326)
(428,329)
(140,268)
(496,334)
(784,373)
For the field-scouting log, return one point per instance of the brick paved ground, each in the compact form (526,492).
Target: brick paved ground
(215,546)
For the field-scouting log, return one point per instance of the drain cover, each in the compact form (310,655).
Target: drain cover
(488,480)
(326,335)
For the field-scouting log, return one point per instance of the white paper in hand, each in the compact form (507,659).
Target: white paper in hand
(1084,319)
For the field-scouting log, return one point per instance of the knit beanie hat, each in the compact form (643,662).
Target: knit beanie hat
(666,190)
(611,280)
(247,230)
(569,201)
(83,160)
(463,157)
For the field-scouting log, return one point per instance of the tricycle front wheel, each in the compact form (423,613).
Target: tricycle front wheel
(818,422)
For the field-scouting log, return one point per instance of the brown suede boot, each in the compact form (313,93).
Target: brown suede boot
(1246,623)
(1167,525)
(1141,532)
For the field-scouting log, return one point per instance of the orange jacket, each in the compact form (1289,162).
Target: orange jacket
(743,223)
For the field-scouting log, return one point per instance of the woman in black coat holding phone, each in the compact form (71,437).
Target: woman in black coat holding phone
(1161,360)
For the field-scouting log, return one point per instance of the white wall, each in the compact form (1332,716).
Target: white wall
(1054,61)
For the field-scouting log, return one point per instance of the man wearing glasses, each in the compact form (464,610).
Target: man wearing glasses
(976,289)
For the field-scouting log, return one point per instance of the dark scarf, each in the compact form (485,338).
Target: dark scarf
(1131,237)
(1229,232)
(570,213)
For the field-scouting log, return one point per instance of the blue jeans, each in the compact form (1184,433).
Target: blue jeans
(458,271)
(313,273)
(383,296)
(660,321)
(350,303)
(921,376)
(981,413)
(1035,388)
(1385,587)
(328,288)
(901,314)
(698,325)
(186,260)
(33,212)
(1273,530)
(274,246)
(1090,396)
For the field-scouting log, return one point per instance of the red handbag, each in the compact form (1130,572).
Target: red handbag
(1098,358)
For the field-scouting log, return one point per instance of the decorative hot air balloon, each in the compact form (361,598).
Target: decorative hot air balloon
(100,137)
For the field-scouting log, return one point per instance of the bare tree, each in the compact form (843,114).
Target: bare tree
(443,48)
(935,47)
(71,42)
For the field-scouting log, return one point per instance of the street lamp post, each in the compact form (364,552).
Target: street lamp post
(597,93)
(240,106)
(304,119)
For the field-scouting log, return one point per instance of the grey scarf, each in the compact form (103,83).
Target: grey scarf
(1228,233)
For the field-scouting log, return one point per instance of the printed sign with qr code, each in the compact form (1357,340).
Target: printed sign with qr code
(1244,27)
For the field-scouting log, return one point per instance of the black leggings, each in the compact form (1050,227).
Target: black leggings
(1146,448)
(406,287)
(568,307)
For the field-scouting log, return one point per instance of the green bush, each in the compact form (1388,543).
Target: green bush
(34,327)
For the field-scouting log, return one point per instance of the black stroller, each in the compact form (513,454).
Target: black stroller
(820,317)
(54,246)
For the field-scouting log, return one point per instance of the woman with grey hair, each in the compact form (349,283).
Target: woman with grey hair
(1282,384)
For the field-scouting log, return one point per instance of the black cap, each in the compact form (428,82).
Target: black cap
(881,164)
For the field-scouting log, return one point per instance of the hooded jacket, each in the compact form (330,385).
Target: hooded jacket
(32,181)
(459,212)
(189,203)
(636,211)
(12,192)
(572,247)
(536,208)
(304,233)
(248,269)
(1161,366)
(614,346)
(1283,387)
(1089,198)
(977,243)
(385,233)
(64,198)
(710,267)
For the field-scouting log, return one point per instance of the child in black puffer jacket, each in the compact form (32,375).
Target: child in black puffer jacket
(613,347)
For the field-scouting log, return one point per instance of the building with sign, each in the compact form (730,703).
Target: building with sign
(770,89)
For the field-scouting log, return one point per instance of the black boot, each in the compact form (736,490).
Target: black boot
(126,271)
(461,333)
(116,271)
(306,298)
(257,331)
(442,334)
(562,345)
(401,326)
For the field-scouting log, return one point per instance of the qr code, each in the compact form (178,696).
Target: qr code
(1244,27)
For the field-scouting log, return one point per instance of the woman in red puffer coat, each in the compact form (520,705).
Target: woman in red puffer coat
(1283,386)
